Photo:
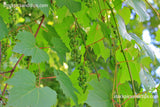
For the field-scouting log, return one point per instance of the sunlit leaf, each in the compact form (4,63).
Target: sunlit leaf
(146,79)
(146,100)
(130,36)
(144,46)
(125,14)
(158,35)
(125,90)
(140,9)
(122,28)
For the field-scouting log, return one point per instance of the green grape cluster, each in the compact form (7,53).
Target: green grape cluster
(82,77)
(89,3)
(76,40)
(75,43)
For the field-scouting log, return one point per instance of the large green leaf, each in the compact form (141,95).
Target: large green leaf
(72,5)
(55,41)
(3,29)
(100,95)
(27,46)
(26,94)
(43,5)
(140,9)
(66,85)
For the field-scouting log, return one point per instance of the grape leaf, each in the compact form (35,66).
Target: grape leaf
(100,96)
(82,15)
(146,61)
(55,41)
(26,94)
(147,101)
(125,14)
(74,78)
(117,4)
(147,79)
(125,90)
(3,29)
(144,46)
(122,28)
(139,8)
(72,5)
(95,37)
(106,31)
(27,47)
(124,75)
(62,30)
(158,35)
(95,33)
(132,36)
(43,5)
(4,13)
(66,85)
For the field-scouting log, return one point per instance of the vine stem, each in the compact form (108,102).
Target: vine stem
(95,42)
(47,77)
(39,26)
(12,73)
(13,69)
(119,37)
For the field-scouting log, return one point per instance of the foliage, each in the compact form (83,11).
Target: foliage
(77,53)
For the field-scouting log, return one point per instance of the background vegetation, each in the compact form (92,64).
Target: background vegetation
(81,53)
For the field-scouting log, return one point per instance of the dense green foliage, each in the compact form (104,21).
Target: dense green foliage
(81,53)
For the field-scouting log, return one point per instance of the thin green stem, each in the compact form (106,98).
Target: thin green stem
(119,37)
